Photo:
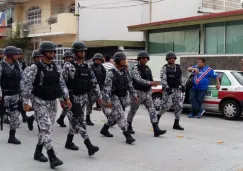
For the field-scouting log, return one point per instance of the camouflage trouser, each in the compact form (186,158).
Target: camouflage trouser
(117,113)
(75,126)
(93,99)
(45,115)
(64,112)
(175,99)
(11,104)
(146,99)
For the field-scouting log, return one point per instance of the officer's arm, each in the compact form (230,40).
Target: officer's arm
(63,84)
(65,70)
(108,86)
(27,83)
(131,88)
(137,77)
(95,83)
(163,77)
(182,84)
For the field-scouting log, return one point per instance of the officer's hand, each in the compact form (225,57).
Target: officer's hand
(196,71)
(68,103)
(109,105)
(27,107)
(62,103)
(100,101)
(183,89)
(154,83)
(136,99)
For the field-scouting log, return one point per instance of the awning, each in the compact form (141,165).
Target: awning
(189,21)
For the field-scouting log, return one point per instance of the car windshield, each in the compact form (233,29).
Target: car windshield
(238,76)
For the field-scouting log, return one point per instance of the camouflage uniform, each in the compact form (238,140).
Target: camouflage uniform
(79,102)
(11,102)
(143,97)
(171,96)
(45,110)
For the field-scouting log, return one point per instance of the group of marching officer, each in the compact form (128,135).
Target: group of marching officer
(79,85)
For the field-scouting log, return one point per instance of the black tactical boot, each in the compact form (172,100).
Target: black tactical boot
(177,125)
(129,138)
(39,155)
(88,121)
(12,139)
(157,131)
(69,143)
(24,116)
(30,121)
(104,131)
(60,121)
(54,161)
(91,149)
(129,128)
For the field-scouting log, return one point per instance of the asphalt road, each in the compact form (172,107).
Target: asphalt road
(207,144)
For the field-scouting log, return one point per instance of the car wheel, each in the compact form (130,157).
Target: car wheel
(157,97)
(230,110)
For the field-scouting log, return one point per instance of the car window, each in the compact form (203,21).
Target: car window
(213,80)
(225,81)
(238,76)
(132,64)
(185,76)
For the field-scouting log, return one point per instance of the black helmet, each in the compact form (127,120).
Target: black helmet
(170,55)
(36,53)
(47,46)
(11,50)
(98,56)
(1,51)
(20,51)
(68,54)
(143,54)
(78,46)
(119,56)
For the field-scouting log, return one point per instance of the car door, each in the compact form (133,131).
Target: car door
(211,100)
(186,79)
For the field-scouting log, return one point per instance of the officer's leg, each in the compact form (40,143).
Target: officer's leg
(30,121)
(60,120)
(93,99)
(166,103)
(45,113)
(11,104)
(177,98)
(133,110)
(119,116)
(21,109)
(148,103)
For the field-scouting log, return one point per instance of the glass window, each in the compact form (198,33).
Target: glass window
(186,41)
(213,80)
(34,16)
(234,37)
(238,76)
(215,38)
(156,43)
(225,81)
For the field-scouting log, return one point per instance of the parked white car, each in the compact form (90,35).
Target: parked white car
(228,100)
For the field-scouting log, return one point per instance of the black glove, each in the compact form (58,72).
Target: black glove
(183,89)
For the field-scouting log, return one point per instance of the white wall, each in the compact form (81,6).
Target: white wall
(111,24)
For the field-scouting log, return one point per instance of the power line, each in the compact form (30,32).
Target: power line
(125,6)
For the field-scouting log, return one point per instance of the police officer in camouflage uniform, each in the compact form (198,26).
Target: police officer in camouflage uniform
(2,110)
(80,79)
(173,88)
(100,74)
(10,76)
(67,56)
(22,65)
(44,80)
(117,85)
(142,82)
(36,57)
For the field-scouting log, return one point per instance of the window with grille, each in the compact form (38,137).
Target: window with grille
(34,16)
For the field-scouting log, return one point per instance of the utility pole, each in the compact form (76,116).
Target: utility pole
(150,11)
(78,15)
